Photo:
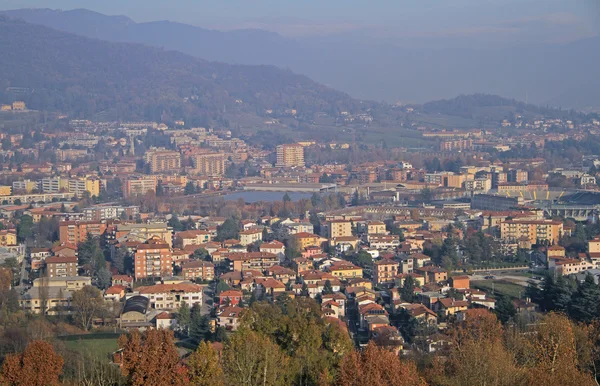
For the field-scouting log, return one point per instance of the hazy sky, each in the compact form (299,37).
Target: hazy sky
(508,19)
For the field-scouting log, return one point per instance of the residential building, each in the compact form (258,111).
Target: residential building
(75,232)
(304,240)
(376,228)
(250,236)
(139,186)
(192,237)
(432,274)
(339,228)
(384,272)
(170,296)
(153,259)
(260,261)
(198,270)
(163,161)
(535,230)
(110,212)
(209,164)
(228,317)
(61,266)
(143,232)
(291,155)
(345,270)
(275,247)
(8,237)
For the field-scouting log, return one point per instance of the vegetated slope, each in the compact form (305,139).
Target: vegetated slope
(559,74)
(85,76)
(493,107)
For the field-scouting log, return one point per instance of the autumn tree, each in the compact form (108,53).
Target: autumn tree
(552,354)
(39,365)
(151,359)
(204,367)
(252,359)
(477,354)
(376,366)
(87,304)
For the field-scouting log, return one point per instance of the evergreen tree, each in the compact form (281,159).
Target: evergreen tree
(584,304)
(407,293)
(199,329)
(505,309)
(327,288)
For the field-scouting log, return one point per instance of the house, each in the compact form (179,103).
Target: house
(165,320)
(275,247)
(198,270)
(39,253)
(345,270)
(388,337)
(432,274)
(399,279)
(376,228)
(270,286)
(170,296)
(8,237)
(124,280)
(192,237)
(305,239)
(459,282)
(252,260)
(229,317)
(333,308)
(302,264)
(115,293)
(230,297)
(64,250)
(281,273)
(61,266)
(339,298)
(420,312)
(384,272)
(250,236)
(450,306)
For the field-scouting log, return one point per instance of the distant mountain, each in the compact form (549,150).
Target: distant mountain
(84,76)
(561,75)
(484,107)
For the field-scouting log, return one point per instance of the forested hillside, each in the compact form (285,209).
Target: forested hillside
(83,76)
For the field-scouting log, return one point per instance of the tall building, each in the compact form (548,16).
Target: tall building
(290,155)
(74,232)
(163,161)
(139,186)
(153,259)
(80,185)
(209,164)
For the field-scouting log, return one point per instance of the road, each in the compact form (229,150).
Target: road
(520,280)
(24,277)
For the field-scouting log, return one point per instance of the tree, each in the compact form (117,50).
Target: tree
(552,354)
(25,227)
(175,223)
(376,366)
(505,309)
(38,365)
(407,293)
(200,254)
(250,358)
(120,259)
(189,189)
(151,359)
(199,328)
(327,288)
(204,367)
(364,259)
(87,304)
(584,304)
(230,229)
(184,316)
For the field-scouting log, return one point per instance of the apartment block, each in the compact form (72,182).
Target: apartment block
(163,161)
(61,266)
(534,230)
(209,164)
(153,259)
(290,155)
(139,186)
(74,232)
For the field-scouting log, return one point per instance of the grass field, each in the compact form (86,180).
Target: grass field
(102,347)
(499,287)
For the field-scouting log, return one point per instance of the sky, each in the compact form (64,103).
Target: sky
(509,20)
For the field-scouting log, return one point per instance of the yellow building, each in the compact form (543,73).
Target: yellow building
(18,105)
(209,164)
(5,107)
(376,228)
(345,270)
(5,190)
(305,239)
(163,161)
(340,228)
(290,155)
(78,186)
(8,238)
(536,231)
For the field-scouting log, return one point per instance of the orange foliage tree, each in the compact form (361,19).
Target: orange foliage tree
(376,366)
(39,365)
(151,359)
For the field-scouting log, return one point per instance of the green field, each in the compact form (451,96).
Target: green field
(499,287)
(102,347)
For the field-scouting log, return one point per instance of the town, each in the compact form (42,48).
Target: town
(141,226)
